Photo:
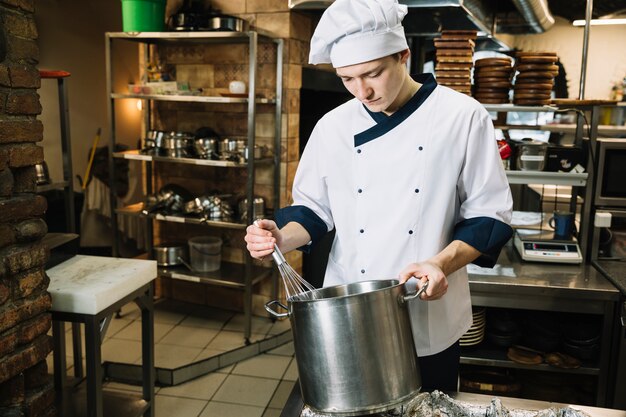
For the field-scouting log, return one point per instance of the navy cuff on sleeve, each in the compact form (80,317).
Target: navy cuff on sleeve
(307,218)
(486,235)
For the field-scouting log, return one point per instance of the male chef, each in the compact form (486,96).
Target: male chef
(408,174)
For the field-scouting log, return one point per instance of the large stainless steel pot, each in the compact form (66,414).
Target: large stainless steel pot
(168,254)
(354,347)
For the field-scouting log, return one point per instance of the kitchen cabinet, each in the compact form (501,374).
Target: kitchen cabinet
(241,276)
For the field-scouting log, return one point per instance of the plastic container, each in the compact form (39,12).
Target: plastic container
(205,253)
(143,15)
(531,155)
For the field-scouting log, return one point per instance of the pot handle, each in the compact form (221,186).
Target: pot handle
(273,312)
(416,294)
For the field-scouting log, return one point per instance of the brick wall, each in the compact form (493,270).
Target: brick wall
(25,386)
(212,68)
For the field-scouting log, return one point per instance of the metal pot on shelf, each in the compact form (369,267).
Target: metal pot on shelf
(354,347)
(170,254)
(222,22)
(170,198)
(258,208)
(177,144)
(206,148)
(205,143)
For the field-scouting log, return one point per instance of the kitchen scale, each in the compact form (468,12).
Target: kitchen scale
(541,246)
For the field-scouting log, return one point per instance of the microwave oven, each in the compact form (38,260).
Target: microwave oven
(611,173)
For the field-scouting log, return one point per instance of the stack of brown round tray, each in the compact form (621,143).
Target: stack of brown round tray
(492,80)
(454,59)
(535,78)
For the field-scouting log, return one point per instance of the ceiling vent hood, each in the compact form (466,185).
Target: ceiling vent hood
(428,17)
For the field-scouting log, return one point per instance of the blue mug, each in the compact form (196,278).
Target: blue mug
(563,224)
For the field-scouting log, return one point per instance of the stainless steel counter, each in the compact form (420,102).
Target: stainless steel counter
(542,286)
(551,287)
(615,271)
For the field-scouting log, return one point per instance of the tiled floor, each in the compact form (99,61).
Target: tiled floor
(256,387)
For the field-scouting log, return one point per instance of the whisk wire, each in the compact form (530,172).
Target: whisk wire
(296,287)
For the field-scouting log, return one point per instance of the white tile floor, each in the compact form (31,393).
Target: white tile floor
(256,387)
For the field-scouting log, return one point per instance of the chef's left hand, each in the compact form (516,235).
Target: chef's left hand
(426,271)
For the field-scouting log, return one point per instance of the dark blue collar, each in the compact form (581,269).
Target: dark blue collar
(386,123)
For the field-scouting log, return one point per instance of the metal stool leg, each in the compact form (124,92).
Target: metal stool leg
(146,304)
(77,350)
(93,343)
(58,355)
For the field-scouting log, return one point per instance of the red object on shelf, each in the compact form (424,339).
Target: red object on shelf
(504,148)
(53,74)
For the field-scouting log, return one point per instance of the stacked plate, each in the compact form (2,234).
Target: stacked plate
(492,80)
(535,77)
(454,59)
(476,332)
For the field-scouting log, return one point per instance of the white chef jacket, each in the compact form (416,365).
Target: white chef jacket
(398,189)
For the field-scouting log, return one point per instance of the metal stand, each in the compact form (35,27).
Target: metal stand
(93,341)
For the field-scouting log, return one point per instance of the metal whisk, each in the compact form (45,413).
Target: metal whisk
(296,287)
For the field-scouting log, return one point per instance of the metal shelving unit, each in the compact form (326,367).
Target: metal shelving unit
(245,275)
(578,181)
(528,289)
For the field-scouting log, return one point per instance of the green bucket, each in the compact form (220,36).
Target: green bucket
(143,15)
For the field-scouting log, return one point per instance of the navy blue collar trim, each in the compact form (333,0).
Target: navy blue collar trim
(386,123)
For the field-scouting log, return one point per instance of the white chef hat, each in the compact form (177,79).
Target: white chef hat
(355,31)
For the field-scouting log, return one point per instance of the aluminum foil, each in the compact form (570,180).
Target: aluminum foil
(438,404)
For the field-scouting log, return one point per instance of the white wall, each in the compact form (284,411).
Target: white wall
(71,38)
(606,63)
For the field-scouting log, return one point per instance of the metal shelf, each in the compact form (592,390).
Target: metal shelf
(191,36)
(60,185)
(135,155)
(54,240)
(604,130)
(135,210)
(513,107)
(190,98)
(229,275)
(544,177)
(496,357)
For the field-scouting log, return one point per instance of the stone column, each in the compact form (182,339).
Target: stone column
(25,386)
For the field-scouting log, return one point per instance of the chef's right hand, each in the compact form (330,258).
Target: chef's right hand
(261,238)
